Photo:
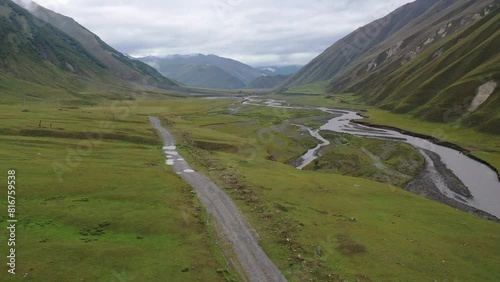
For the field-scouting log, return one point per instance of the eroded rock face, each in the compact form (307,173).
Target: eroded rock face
(371,66)
(483,93)
(394,49)
(442,32)
(401,48)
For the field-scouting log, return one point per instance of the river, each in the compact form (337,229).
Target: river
(481,180)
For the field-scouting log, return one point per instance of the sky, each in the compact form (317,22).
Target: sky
(256,32)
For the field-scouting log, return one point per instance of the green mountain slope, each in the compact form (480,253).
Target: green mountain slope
(36,51)
(430,59)
(117,64)
(207,76)
(357,44)
(268,82)
(442,87)
(230,74)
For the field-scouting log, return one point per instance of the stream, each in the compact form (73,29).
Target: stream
(481,180)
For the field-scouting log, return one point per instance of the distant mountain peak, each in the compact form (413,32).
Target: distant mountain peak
(193,70)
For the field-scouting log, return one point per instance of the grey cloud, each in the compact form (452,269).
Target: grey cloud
(256,32)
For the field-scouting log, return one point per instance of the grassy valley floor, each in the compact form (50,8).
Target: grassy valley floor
(319,226)
(102,205)
(483,145)
(122,210)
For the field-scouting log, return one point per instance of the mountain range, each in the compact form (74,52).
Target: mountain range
(436,60)
(211,71)
(44,47)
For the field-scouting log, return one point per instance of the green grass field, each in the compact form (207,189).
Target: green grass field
(120,214)
(385,161)
(93,209)
(364,229)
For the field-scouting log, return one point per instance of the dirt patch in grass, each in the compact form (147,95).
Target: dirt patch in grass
(213,146)
(349,247)
(86,135)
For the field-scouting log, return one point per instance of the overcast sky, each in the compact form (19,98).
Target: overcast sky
(256,32)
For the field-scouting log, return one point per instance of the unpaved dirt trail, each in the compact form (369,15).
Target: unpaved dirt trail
(257,265)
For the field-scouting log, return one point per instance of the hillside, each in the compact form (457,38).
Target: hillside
(117,64)
(268,81)
(427,58)
(443,81)
(207,76)
(228,73)
(358,43)
(38,52)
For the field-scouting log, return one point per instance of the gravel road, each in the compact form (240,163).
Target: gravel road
(256,264)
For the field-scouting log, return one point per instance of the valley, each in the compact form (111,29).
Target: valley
(465,173)
(377,160)
(282,205)
(311,224)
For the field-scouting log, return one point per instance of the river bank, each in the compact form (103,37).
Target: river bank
(434,173)
(480,179)
(425,185)
(433,140)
